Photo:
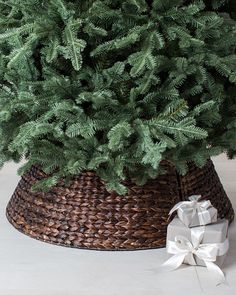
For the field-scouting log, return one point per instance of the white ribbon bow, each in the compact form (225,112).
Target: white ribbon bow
(192,207)
(185,251)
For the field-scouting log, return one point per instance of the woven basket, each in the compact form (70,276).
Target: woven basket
(85,215)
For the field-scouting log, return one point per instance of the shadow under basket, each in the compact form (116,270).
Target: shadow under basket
(85,215)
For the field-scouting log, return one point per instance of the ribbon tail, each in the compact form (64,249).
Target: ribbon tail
(216,272)
(176,207)
(173,262)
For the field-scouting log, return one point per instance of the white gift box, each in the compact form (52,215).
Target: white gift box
(199,245)
(195,212)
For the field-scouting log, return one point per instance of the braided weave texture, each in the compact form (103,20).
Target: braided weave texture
(85,215)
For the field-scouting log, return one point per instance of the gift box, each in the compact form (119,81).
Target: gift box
(195,212)
(202,245)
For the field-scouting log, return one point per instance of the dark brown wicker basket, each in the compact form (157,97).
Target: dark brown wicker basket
(85,215)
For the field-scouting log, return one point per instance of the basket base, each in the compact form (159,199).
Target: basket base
(78,247)
(86,216)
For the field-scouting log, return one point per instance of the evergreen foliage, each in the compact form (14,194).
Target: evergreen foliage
(116,86)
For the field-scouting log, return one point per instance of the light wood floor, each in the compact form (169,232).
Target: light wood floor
(30,267)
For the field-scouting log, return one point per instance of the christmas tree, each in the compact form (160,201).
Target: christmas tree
(116,86)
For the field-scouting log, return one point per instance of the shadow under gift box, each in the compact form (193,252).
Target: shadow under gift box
(213,233)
